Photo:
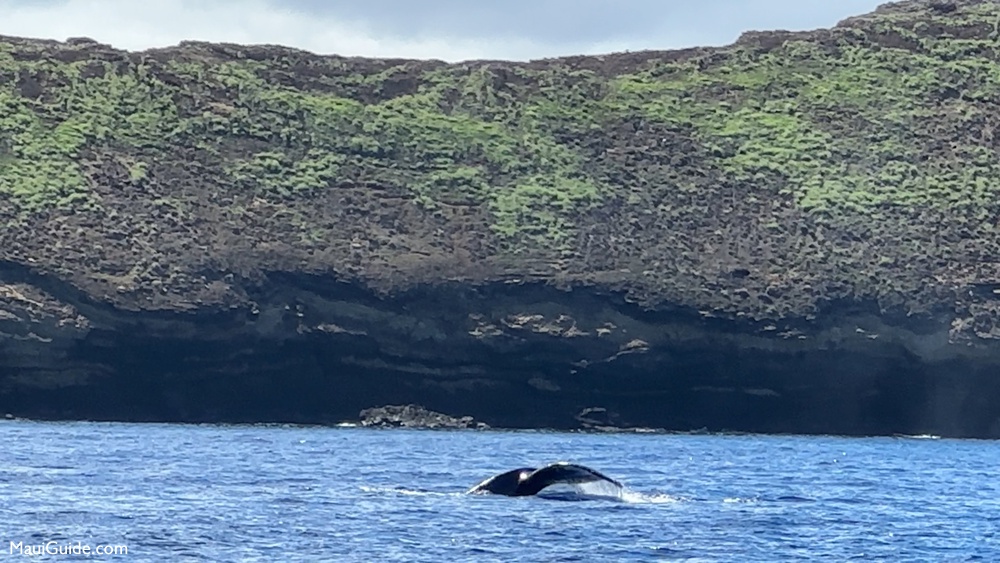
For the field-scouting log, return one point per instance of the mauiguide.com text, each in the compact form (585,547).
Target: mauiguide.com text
(56,548)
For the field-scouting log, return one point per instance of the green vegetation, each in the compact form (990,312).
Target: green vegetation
(844,127)
(878,113)
(37,163)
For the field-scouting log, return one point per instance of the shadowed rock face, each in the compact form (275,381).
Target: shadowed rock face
(795,233)
(508,355)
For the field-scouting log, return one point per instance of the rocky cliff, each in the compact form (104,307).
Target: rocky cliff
(794,233)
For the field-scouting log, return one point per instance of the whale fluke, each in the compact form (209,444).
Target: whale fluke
(527,481)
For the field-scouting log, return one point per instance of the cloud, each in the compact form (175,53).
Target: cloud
(444,29)
(157,23)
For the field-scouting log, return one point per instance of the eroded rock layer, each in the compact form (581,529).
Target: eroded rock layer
(794,233)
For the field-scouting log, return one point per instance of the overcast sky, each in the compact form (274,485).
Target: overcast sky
(444,29)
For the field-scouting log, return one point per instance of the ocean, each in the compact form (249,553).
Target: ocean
(291,493)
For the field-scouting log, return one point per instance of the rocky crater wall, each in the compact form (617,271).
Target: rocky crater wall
(798,232)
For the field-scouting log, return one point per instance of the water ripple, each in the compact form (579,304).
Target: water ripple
(263,493)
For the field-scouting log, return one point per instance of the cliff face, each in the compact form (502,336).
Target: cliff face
(795,233)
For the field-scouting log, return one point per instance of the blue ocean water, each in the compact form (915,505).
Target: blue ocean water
(273,493)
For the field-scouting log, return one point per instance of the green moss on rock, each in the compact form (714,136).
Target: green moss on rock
(859,161)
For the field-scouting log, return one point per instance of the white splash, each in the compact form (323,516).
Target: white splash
(402,491)
(738,500)
(635,497)
(603,490)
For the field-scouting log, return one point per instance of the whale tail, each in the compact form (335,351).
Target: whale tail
(505,483)
(527,481)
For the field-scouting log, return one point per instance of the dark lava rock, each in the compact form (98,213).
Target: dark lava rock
(595,418)
(600,419)
(414,416)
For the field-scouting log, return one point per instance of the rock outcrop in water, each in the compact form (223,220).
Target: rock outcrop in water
(794,233)
(415,416)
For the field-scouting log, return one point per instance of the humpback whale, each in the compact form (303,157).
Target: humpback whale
(526,481)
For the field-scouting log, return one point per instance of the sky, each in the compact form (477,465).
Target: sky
(450,30)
